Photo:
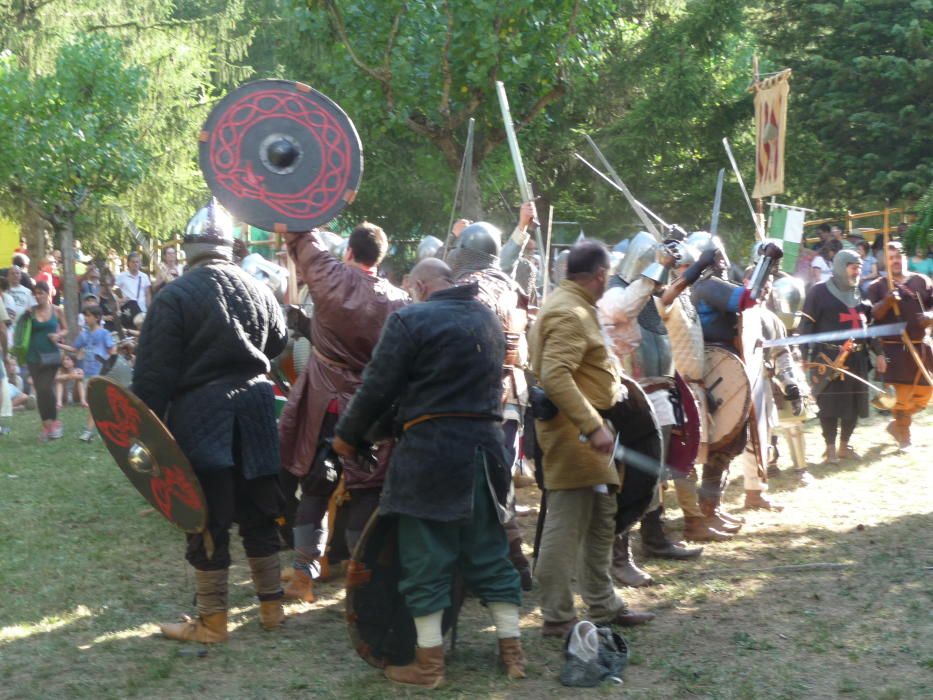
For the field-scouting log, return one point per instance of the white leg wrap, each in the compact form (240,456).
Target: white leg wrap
(505,618)
(429,630)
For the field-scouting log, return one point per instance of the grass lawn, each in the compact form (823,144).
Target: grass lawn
(88,569)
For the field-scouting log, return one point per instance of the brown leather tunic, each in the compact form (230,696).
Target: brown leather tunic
(350,308)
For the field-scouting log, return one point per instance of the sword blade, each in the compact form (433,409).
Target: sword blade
(738,176)
(846,334)
(717,202)
(634,203)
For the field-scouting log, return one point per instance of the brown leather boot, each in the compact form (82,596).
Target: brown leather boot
(830,456)
(210,626)
(301,587)
(512,657)
(266,574)
(714,517)
(624,569)
(697,530)
(756,500)
(427,670)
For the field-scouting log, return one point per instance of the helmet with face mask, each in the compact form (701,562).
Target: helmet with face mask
(786,300)
(645,257)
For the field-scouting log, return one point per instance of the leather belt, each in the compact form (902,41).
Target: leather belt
(432,416)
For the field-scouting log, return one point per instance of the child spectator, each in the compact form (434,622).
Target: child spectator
(98,346)
(68,382)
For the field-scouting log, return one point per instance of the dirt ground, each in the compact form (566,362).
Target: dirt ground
(87,570)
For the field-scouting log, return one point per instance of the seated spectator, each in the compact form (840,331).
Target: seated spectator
(69,383)
(869,267)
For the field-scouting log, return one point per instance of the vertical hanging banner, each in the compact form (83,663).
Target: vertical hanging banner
(770,127)
(786,225)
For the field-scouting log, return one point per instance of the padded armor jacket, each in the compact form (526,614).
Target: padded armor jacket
(438,360)
(201,363)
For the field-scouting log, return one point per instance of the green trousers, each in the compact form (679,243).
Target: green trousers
(430,551)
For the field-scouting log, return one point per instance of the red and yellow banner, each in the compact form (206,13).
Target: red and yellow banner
(771,127)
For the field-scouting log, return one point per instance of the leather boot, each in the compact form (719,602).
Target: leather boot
(210,626)
(756,500)
(830,457)
(300,587)
(427,670)
(516,555)
(846,452)
(697,530)
(714,518)
(655,543)
(266,578)
(624,570)
(512,657)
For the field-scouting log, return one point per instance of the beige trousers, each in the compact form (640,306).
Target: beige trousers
(579,527)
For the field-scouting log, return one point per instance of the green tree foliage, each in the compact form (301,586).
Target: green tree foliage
(71,137)
(414,73)
(861,126)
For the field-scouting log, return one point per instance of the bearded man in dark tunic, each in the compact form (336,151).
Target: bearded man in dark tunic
(909,299)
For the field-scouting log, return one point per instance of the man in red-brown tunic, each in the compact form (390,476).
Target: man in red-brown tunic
(351,304)
(909,299)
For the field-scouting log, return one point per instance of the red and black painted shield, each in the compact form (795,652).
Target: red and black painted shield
(147,453)
(684,443)
(281,156)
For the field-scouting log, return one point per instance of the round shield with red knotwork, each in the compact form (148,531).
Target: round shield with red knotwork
(281,156)
(147,453)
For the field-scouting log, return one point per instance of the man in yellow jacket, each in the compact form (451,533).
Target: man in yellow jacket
(580,375)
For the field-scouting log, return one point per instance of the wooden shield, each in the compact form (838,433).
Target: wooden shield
(684,444)
(281,156)
(380,625)
(728,396)
(147,453)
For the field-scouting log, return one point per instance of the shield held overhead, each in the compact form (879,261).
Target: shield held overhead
(146,452)
(281,156)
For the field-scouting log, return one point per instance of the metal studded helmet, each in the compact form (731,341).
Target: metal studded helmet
(428,247)
(209,234)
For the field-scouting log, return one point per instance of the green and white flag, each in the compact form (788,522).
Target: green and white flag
(786,225)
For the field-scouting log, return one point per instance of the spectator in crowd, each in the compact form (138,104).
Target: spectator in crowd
(169,269)
(23,246)
(91,282)
(821,269)
(869,267)
(113,262)
(824,231)
(17,298)
(109,304)
(922,262)
(98,346)
(6,408)
(22,262)
(44,358)
(69,381)
(135,285)
(48,273)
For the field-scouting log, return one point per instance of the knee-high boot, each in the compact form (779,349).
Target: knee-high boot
(624,570)
(266,578)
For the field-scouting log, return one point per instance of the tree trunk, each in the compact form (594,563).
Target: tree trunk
(66,235)
(33,229)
